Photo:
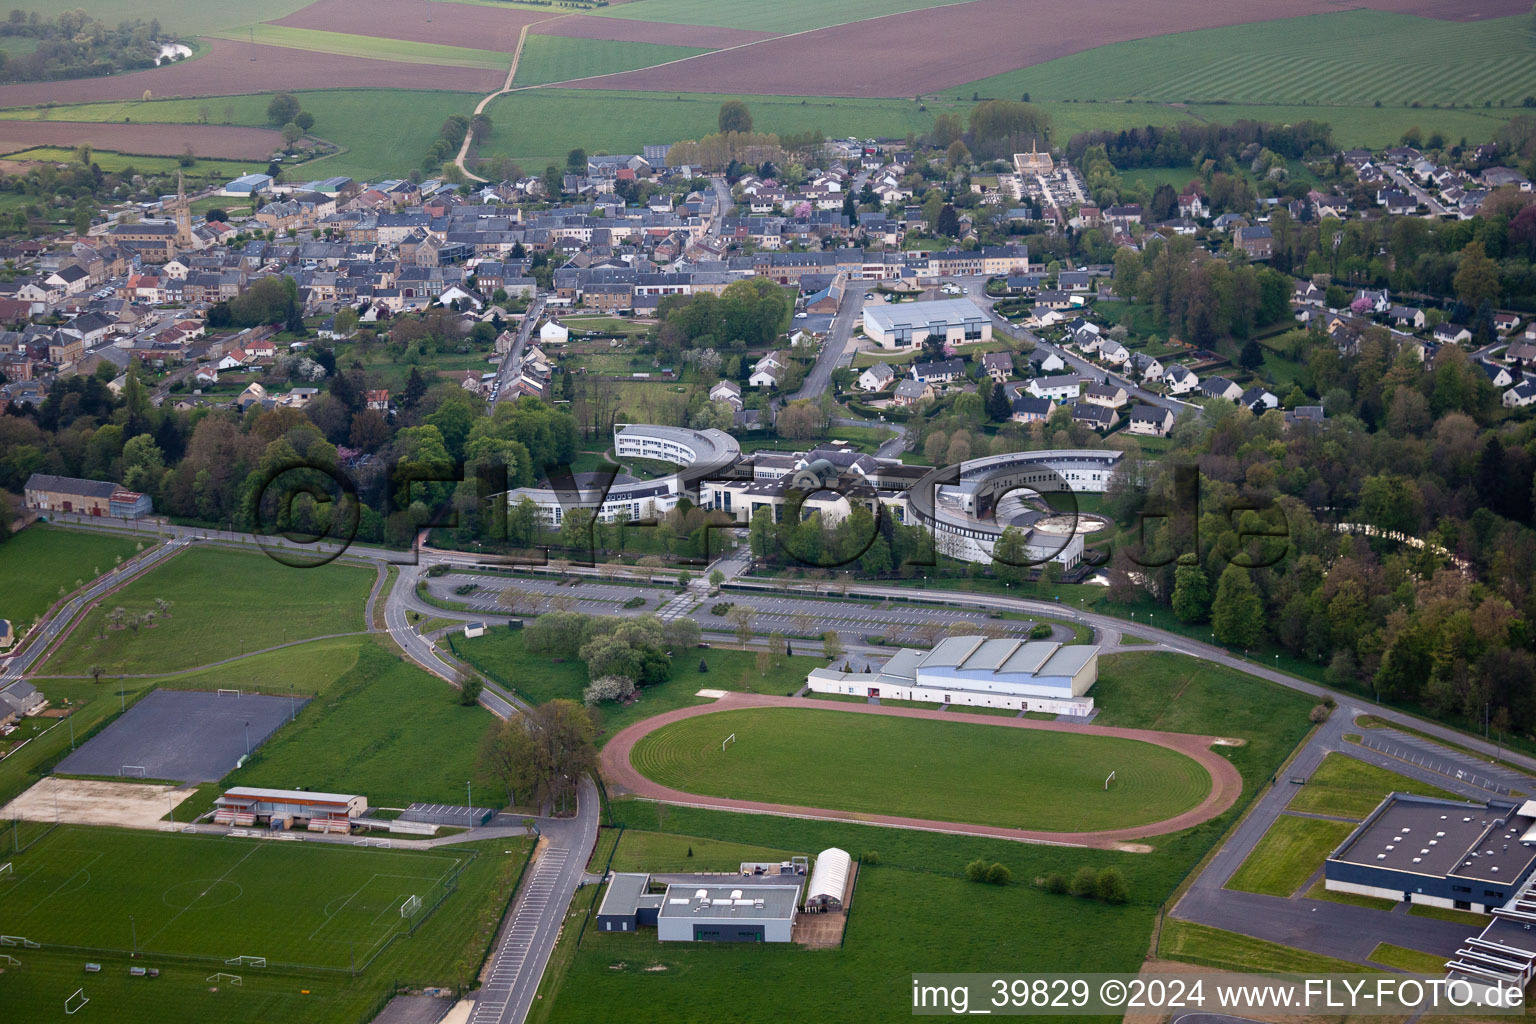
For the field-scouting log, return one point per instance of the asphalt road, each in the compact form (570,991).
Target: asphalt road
(512,364)
(836,350)
(976,290)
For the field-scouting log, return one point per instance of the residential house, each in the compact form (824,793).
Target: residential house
(1064,388)
(1095,417)
(1258,242)
(876,378)
(1521,395)
(939,371)
(1260,400)
(1043,361)
(997,365)
(911,392)
(1030,409)
(1111,396)
(726,391)
(1150,420)
(1221,387)
(1181,380)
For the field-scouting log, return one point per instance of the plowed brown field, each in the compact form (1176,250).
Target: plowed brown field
(940,48)
(233,69)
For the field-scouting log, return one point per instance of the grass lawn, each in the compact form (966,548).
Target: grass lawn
(1408,959)
(443,951)
(1290,851)
(500,655)
(383,130)
(1320,891)
(782,16)
(1465,917)
(965,771)
(202,170)
(223,603)
(660,852)
(299,903)
(42,560)
(385,729)
(344,44)
(1349,788)
(1178,693)
(1212,947)
(561,58)
(606,324)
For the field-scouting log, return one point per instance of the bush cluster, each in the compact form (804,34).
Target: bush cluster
(1107,886)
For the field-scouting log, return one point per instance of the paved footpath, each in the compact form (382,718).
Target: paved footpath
(1226,783)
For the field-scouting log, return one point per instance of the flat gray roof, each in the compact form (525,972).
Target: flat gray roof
(625,890)
(731,902)
(890,316)
(1442,838)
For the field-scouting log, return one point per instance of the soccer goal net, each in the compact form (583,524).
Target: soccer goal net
(7,867)
(229,693)
(246,961)
(75,1001)
(131,771)
(225,979)
(1108,779)
(727,741)
(411,905)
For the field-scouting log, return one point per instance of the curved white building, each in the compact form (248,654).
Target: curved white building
(829,880)
(958,503)
(702,453)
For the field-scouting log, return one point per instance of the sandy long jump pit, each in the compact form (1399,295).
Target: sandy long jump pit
(96,802)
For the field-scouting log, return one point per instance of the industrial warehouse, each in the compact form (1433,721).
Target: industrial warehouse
(763,907)
(1020,675)
(1443,853)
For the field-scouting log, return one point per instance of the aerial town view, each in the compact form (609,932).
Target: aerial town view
(767,511)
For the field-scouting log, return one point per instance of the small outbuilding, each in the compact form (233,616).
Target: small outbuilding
(829,880)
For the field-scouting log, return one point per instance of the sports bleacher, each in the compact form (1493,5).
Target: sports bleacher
(226,816)
(341,825)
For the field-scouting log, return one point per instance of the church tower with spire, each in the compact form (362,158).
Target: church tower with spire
(182,211)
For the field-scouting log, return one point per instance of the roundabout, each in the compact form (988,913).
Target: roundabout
(953,772)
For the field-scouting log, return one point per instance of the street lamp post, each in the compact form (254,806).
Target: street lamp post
(469,794)
(247,739)
(133,926)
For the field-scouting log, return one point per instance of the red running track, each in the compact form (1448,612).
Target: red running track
(1226,783)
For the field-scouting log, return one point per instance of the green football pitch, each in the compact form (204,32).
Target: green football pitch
(292,903)
(966,771)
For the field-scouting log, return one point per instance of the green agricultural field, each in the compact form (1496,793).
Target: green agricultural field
(223,603)
(1289,853)
(385,131)
(656,852)
(561,58)
(1349,58)
(344,44)
(298,903)
(444,951)
(969,771)
(40,561)
(1348,788)
(386,729)
(781,16)
(539,126)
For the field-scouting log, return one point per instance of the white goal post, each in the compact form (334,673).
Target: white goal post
(729,739)
(246,961)
(411,905)
(131,771)
(229,693)
(75,1001)
(8,866)
(233,979)
(1108,779)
